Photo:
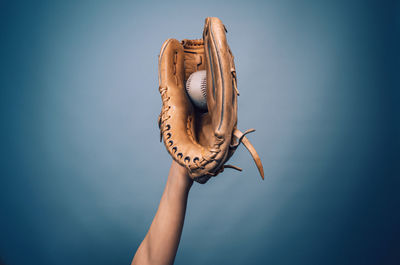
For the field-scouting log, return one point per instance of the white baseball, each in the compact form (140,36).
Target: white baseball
(196,87)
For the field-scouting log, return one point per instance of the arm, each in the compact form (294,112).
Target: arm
(162,240)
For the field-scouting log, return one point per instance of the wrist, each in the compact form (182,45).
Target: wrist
(179,178)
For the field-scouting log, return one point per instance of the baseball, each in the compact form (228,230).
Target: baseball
(196,88)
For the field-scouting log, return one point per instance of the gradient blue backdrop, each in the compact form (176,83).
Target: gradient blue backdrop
(82,170)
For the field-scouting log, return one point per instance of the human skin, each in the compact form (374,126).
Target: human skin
(161,242)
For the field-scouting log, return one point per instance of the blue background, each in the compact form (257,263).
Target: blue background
(82,170)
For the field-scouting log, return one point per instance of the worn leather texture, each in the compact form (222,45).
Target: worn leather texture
(202,142)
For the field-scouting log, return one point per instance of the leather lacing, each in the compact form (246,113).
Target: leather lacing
(192,43)
(164,110)
(241,138)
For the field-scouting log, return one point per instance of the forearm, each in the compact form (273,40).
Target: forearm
(162,240)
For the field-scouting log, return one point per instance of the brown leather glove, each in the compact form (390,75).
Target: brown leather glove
(202,142)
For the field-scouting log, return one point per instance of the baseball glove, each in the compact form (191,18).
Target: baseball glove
(201,142)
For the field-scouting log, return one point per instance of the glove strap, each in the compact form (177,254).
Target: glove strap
(243,139)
